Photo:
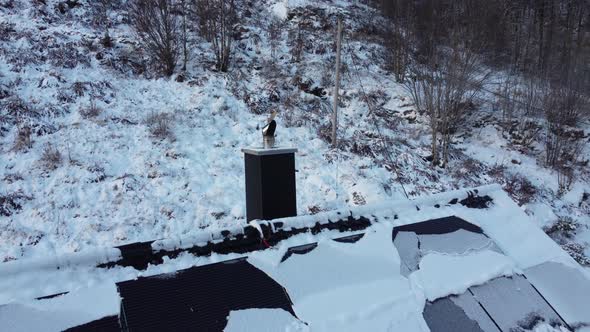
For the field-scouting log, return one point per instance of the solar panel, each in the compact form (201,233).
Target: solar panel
(199,298)
(566,289)
(449,235)
(299,250)
(408,248)
(475,311)
(501,304)
(444,315)
(438,226)
(350,239)
(513,303)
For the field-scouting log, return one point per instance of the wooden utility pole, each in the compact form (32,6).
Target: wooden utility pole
(337,85)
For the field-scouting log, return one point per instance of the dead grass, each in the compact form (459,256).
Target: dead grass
(90,112)
(51,158)
(12,203)
(521,189)
(160,126)
(23,140)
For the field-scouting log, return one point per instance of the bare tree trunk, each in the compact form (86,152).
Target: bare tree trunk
(434,147)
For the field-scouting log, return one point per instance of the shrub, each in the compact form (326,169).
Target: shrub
(6,30)
(521,189)
(23,139)
(92,111)
(67,56)
(107,41)
(12,203)
(564,228)
(497,172)
(51,158)
(16,108)
(80,88)
(159,125)
(577,252)
(358,199)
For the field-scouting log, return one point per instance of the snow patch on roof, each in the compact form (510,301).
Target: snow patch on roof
(441,275)
(61,312)
(458,242)
(263,320)
(347,287)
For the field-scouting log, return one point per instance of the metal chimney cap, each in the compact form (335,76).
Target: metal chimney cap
(259,151)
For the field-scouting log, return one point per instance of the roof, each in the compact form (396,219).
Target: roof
(434,263)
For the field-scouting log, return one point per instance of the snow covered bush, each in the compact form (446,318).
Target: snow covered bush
(51,157)
(12,203)
(534,322)
(67,56)
(15,111)
(576,250)
(6,30)
(564,229)
(22,141)
(520,188)
(91,111)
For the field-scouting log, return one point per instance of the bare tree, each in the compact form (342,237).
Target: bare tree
(275,30)
(397,55)
(297,43)
(217,19)
(184,35)
(547,39)
(446,91)
(564,108)
(520,101)
(100,10)
(396,39)
(158,30)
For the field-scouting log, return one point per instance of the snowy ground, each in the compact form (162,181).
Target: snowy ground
(116,183)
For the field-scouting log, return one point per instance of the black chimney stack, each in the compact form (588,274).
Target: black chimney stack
(270,183)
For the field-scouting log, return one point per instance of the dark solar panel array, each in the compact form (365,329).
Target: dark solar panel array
(299,250)
(501,304)
(438,226)
(350,239)
(199,298)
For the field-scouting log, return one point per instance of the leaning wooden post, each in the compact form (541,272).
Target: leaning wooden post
(337,85)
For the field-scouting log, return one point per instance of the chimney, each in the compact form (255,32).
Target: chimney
(270,183)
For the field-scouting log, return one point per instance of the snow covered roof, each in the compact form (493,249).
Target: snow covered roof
(472,256)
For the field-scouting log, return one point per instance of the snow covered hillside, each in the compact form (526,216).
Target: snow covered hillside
(95,150)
